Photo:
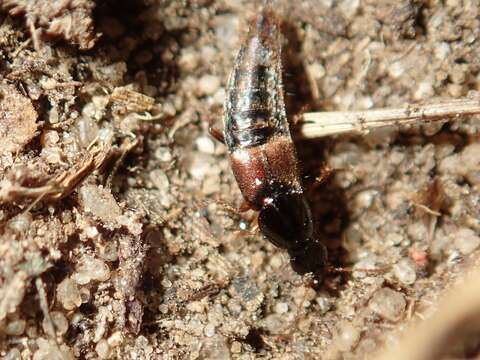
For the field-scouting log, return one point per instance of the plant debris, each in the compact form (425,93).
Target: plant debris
(70,19)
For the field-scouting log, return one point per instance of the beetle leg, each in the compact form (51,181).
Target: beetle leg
(216,134)
(244,207)
(254,225)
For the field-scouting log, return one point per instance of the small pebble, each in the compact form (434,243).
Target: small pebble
(205,145)
(405,272)
(103,349)
(258,259)
(163,154)
(50,350)
(276,323)
(60,322)
(87,130)
(236,347)
(109,252)
(219,97)
(347,337)
(226,29)
(316,70)
(13,354)
(366,346)
(194,306)
(210,183)
(188,60)
(441,50)
(142,343)
(91,232)
(85,295)
(208,54)
(420,257)
(276,261)
(324,304)
(208,85)
(100,202)
(466,240)
(450,165)
(68,294)
(166,283)
(21,222)
(209,330)
(417,231)
(394,239)
(396,69)
(303,294)
(455,90)
(215,348)
(365,199)
(454,258)
(424,91)
(471,163)
(200,166)
(159,179)
(89,269)
(15,327)
(281,308)
(349,8)
(115,339)
(168,109)
(388,304)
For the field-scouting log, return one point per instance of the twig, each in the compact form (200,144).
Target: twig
(57,188)
(318,124)
(427,209)
(49,327)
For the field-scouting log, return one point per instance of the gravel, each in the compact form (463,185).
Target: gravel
(113,194)
(388,304)
(91,269)
(466,240)
(347,336)
(68,294)
(405,272)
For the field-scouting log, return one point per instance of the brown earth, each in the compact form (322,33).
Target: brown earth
(118,234)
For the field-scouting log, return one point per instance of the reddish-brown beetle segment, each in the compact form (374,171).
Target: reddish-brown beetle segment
(261,150)
(254,167)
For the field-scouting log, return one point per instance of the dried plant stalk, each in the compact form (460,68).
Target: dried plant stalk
(318,124)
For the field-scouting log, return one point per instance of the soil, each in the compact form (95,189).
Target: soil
(119,234)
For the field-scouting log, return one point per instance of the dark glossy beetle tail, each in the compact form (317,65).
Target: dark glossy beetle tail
(312,258)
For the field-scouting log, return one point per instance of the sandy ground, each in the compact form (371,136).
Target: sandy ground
(118,234)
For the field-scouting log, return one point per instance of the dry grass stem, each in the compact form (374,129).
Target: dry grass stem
(318,124)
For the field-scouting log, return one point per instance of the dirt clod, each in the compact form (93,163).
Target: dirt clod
(18,120)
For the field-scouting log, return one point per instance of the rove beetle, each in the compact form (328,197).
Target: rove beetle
(261,151)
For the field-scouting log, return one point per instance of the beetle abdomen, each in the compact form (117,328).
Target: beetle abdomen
(254,109)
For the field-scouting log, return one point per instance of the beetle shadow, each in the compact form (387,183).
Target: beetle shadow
(298,94)
(328,201)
